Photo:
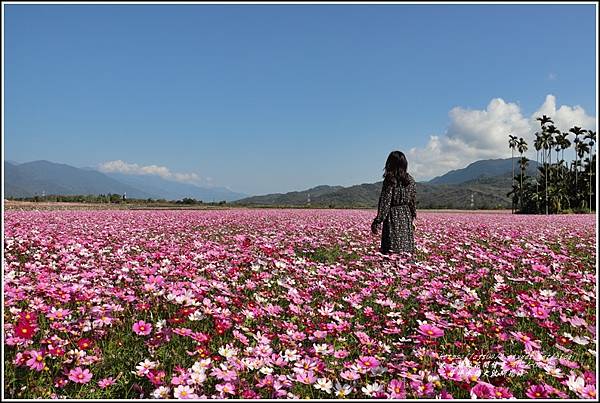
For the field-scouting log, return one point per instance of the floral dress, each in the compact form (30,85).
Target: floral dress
(397,210)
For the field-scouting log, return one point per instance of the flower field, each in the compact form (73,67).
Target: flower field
(296,304)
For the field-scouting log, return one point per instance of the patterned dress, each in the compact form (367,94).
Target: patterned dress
(396,211)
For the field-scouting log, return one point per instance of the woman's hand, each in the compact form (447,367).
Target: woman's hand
(414,225)
(374,227)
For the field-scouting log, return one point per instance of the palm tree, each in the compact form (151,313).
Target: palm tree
(547,142)
(543,144)
(577,131)
(537,144)
(591,136)
(512,143)
(580,150)
(543,120)
(565,143)
(522,147)
(562,143)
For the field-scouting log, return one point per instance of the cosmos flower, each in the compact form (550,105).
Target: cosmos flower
(536,392)
(430,330)
(24,330)
(79,375)
(36,360)
(106,382)
(184,392)
(142,328)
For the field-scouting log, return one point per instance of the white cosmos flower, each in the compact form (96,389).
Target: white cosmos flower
(197,378)
(580,340)
(371,388)
(575,383)
(291,355)
(160,324)
(161,392)
(324,384)
(342,390)
(266,370)
(320,348)
(547,293)
(227,351)
(196,315)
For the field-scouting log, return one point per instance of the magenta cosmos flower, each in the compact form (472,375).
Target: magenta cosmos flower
(80,376)
(536,392)
(142,328)
(106,382)
(368,362)
(430,330)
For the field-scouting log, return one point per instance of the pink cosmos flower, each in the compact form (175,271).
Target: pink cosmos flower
(349,375)
(60,382)
(340,354)
(58,314)
(539,312)
(449,371)
(80,376)
(226,388)
(36,361)
(482,390)
(396,389)
(142,328)
(306,377)
(526,340)
(184,392)
(589,392)
(422,389)
(536,392)
(513,365)
(368,362)
(106,382)
(502,393)
(430,330)
(180,379)
(445,395)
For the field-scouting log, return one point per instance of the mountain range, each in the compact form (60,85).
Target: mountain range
(482,184)
(44,177)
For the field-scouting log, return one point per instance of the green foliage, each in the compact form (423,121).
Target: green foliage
(327,255)
(557,187)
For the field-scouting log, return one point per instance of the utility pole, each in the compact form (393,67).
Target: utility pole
(472,202)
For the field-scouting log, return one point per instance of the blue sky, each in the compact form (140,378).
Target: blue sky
(275,98)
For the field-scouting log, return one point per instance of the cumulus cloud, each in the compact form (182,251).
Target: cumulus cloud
(483,134)
(135,169)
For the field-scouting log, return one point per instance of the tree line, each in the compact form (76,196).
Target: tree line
(559,186)
(113,198)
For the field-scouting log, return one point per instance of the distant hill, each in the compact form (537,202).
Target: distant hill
(487,190)
(170,190)
(454,189)
(293,198)
(38,177)
(482,168)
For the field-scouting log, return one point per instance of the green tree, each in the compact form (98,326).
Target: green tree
(512,143)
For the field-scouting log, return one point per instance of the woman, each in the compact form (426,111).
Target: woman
(396,209)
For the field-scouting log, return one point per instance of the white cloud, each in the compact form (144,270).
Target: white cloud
(483,134)
(135,169)
(565,116)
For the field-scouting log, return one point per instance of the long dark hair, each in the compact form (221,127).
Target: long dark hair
(396,168)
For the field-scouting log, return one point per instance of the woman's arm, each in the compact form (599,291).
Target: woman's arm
(412,197)
(385,203)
